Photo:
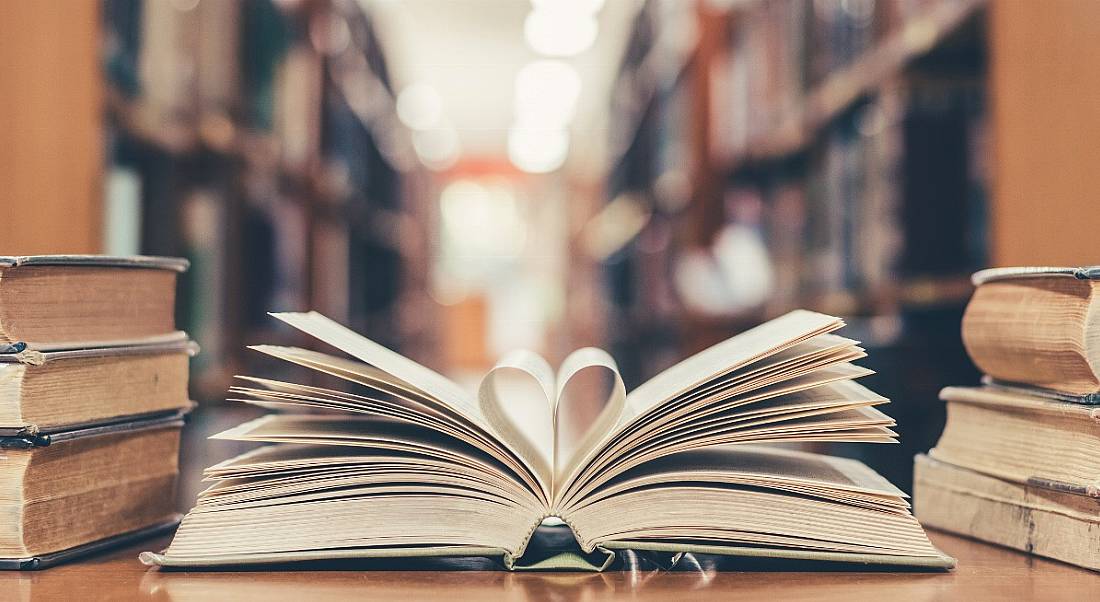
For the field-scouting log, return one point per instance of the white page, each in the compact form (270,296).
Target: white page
(767,338)
(725,357)
(366,350)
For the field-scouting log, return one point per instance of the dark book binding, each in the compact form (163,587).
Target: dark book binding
(42,561)
(174,264)
(28,437)
(176,342)
(1091,272)
(1088,399)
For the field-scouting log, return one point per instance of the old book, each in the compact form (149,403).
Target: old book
(1022,438)
(41,392)
(50,302)
(1031,518)
(407,463)
(1037,326)
(85,488)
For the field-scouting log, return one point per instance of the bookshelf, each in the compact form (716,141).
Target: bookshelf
(843,146)
(676,152)
(840,90)
(276,164)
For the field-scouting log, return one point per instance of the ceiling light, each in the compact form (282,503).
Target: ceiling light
(468,210)
(537,150)
(437,148)
(559,32)
(546,93)
(419,106)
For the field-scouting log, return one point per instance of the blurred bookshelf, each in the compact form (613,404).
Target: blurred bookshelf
(828,155)
(260,140)
(856,157)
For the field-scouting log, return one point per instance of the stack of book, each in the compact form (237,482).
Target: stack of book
(93,389)
(1017,462)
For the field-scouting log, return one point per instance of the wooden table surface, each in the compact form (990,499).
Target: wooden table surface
(984,573)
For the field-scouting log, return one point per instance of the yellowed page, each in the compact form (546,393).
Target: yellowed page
(724,358)
(585,409)
(425,380)
(516,397)
(390,362)
(727,356)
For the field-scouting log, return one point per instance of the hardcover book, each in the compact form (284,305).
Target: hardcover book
(1029,517)
(1022,438)
(53,302)
(406,463)
(46,391)
(72,492)
(1037,327)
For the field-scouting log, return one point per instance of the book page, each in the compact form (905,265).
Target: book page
(835,411)
(343,432)
(755,496)
(427,382)
(552,421)
(517,398)
(755,465)
(727,356)
(590,400)
(366,350)
(724,358)
(356,486)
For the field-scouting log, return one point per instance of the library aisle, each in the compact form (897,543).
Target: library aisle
(457,179)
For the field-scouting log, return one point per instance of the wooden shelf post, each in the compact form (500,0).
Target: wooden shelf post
(1046,124)
(51,127)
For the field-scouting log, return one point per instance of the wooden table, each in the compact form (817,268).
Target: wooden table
(984,573)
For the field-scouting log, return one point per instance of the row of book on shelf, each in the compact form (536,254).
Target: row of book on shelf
(891,185)
(889,189)
(235,145)
(778,54)
(895,191)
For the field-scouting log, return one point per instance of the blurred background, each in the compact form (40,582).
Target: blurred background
(458,178)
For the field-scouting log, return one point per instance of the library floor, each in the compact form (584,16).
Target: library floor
(984,573)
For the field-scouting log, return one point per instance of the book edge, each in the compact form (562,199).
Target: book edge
(941,562)
(930,461)
(29,436)
(177,342)
(1011,273)
(42,561)
(1086,399)
(13,350)
(175,264)
(162,559)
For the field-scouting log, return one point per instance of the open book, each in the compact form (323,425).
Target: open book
(410,464)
